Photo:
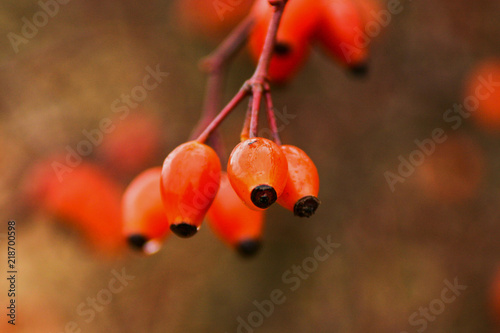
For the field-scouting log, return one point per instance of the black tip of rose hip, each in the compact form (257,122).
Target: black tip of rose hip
(263,196)
(282,49)
(306,206)
(359,70)
(183,230)
(137,242)
(248,248)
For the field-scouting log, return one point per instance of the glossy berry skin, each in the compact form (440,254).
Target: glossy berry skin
(298,23)
(145,224)
(190,180)
(84,198)
(340,32)
(257,170)
(302,187)
(236,224)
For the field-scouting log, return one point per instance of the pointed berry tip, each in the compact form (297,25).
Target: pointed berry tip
(184,230)
(306,206)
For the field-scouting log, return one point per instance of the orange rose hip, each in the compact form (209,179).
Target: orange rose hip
(339,32)
(236,224)
(145,224)
(257,170)
(190,180)
(302,186)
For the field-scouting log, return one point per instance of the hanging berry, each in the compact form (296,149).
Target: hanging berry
(257,170)
(302,186)
(190,179)
(236,224)
(340,33)
(145,224)
(292,41)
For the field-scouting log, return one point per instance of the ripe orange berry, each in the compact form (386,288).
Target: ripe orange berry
(145,224)
(190,180)
(340,32)
(485,97)
(258,170)
(85,198)
(236,224)
(302,186)
(297,25)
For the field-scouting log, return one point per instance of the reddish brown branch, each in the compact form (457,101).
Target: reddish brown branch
(255,86)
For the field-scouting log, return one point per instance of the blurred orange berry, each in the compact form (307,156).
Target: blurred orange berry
(145,224)
(258,171)
(190,180)
(236,224)
(483,92)
(302,187)
(132,145)
(85,198)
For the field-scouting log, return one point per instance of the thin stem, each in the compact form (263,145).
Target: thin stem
(215,64)
(244,91)
(212,102)
(256,84)
(258,81)
(270,41)
(254,118)
(271,118)
(245,132)
(228,48)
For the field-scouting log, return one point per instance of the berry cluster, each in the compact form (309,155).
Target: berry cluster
(260,171)
(192,184)
(336,24)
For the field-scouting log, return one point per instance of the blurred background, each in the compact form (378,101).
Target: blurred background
(399,244)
